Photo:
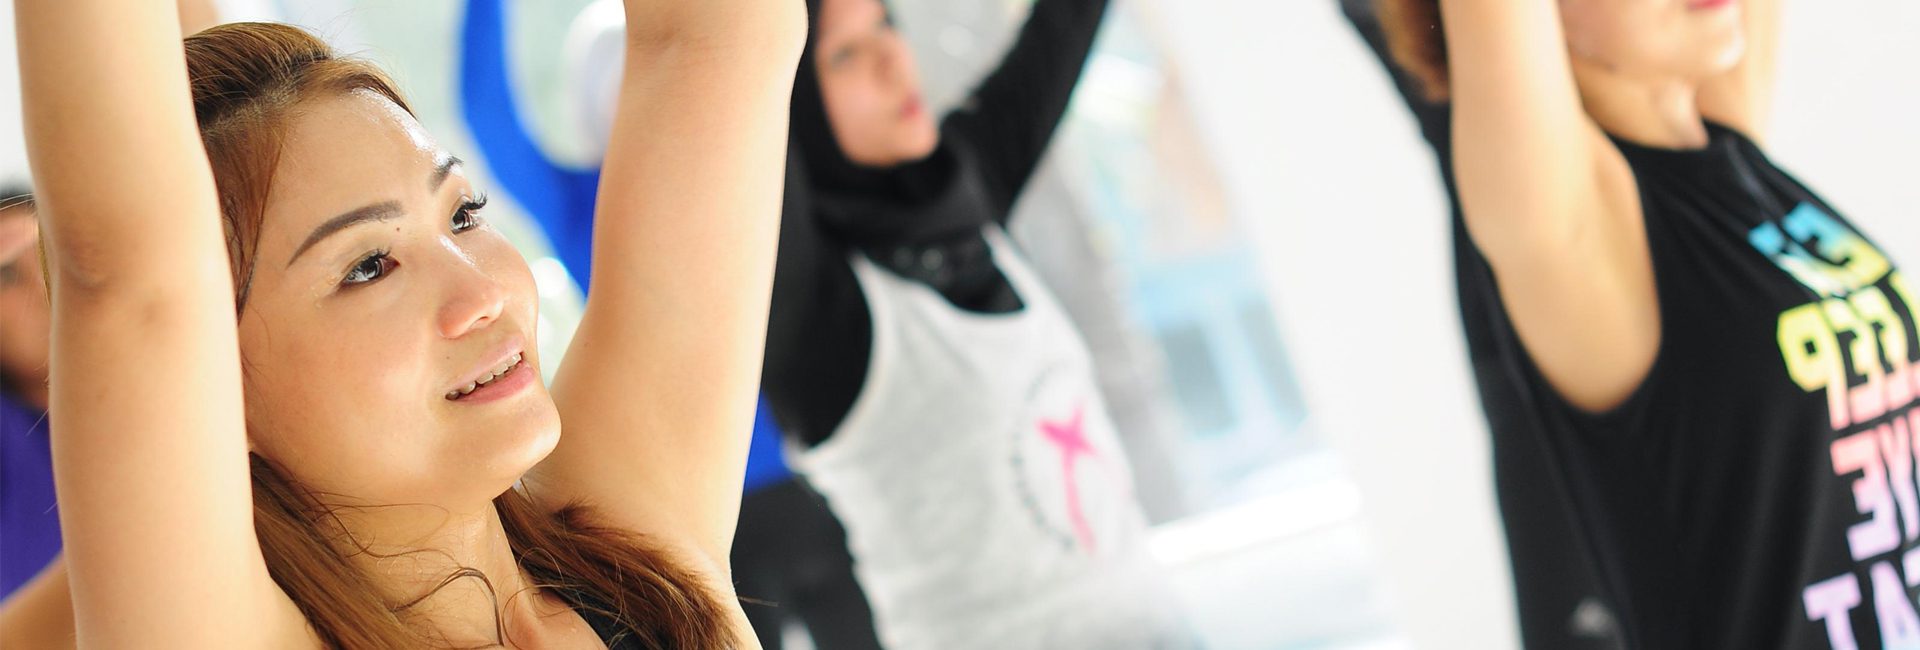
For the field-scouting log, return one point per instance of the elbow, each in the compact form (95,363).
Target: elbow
(769,31)
(101,277)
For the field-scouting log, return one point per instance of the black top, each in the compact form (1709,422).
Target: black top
(610,631)
(1753,490)
(1757,490)
(922,220)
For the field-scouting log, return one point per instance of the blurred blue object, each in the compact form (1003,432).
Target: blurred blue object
(558,198)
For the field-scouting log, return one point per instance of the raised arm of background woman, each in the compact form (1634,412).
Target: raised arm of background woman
(1549,201)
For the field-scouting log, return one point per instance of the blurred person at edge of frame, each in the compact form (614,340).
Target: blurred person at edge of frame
(1700,377)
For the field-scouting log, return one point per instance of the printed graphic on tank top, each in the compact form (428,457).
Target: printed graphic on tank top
(1758,489)
(984,491)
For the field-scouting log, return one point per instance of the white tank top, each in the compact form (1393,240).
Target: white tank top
(984,492)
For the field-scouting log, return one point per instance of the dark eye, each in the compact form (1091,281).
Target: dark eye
(841,56)
(468,216)
(374,266)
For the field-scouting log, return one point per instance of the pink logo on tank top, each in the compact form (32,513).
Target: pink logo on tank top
(1071,439)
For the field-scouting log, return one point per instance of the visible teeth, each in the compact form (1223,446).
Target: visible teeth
(505,367)
(497,372)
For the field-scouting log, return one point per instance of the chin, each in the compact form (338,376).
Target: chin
(922,145)
(507,449)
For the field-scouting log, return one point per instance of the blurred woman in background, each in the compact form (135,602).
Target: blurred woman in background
(946,406)
(1699,376)
(29,524)
(291,368)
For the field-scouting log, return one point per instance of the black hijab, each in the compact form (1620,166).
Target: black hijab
(931,199)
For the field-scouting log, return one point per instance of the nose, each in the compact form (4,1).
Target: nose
(473,298)
(896,61)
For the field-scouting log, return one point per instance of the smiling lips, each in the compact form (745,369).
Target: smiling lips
(1701,5)
(512,363)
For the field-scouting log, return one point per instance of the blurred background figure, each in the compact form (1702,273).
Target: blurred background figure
(29,524)
(1562,607)
(946,405)
(1652,307)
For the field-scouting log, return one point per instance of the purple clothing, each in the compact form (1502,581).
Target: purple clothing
(29,526)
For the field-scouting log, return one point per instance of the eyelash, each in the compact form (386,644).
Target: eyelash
(470,211)
(379,263)
(360,273)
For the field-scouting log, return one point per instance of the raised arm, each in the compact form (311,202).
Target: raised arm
(1012,115)
(1549,201)
(1742,98)
(150,455)
(656,395)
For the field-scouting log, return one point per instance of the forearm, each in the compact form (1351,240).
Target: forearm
(719,27)
(1522,138)
(1014,112)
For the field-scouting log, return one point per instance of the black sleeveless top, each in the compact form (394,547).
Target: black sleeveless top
(1757,490)
(610,631)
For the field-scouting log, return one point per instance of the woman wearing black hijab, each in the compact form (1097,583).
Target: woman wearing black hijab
(946,407)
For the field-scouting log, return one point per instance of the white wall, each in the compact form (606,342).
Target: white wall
(1328,168)
(13,152)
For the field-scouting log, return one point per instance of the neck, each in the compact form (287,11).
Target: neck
(450,571)
(1657,112)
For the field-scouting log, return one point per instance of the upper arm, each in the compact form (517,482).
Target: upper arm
(1012,115)
(1549,201)
(657,392)
(151,475)
(1742,98)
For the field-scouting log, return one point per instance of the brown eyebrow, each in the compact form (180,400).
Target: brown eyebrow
(441,169)
(381,211)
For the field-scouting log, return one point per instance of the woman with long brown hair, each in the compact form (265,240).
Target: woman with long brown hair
(292,368)
(1700,378)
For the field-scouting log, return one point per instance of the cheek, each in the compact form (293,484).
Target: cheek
(850,98)
(500,260)
(324,395)
(1631,34)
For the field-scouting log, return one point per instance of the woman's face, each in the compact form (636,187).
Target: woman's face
(1691,39)
(378,298)
(870,85)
